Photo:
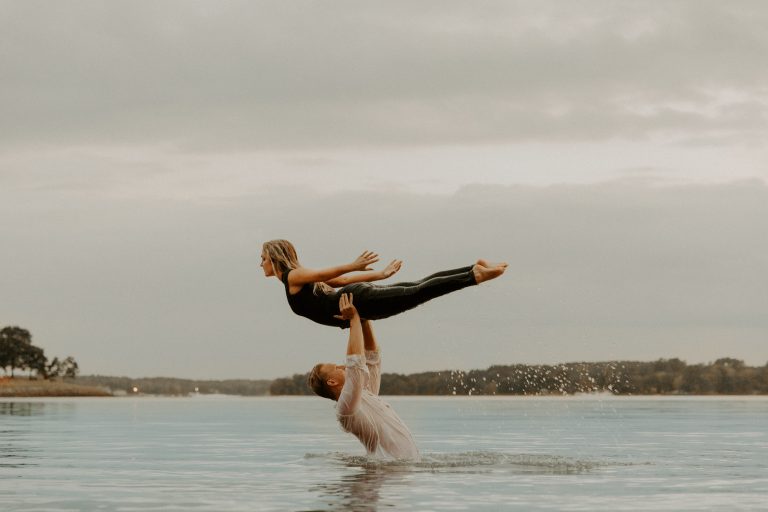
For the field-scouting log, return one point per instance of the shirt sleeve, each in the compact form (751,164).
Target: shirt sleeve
(356,377)
(373,361)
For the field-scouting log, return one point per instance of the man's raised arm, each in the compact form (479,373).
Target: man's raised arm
(372,358)
(348,311)
(368,337)
(355,372)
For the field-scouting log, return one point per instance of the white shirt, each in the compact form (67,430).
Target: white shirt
(362,412)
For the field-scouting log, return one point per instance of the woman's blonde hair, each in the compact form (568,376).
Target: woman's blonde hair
(317,383)
(283,256)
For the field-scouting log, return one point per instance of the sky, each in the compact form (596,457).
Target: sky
(611,152)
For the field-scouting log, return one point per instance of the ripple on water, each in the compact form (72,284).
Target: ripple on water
(470,461)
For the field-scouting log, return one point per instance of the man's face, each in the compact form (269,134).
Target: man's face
(333,372)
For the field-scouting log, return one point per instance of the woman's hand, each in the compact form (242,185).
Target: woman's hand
(365,260)
(392,269)
(368,276)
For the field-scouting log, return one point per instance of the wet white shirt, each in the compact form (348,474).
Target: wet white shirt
(363,413)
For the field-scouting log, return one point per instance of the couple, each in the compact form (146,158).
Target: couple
(355,386)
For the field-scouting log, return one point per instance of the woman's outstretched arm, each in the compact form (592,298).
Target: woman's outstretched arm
(301,276)
(368,276)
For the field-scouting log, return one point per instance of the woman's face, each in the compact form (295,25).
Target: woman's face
(266,264)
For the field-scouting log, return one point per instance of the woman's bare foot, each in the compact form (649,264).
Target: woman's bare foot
(487,264)
(483,273)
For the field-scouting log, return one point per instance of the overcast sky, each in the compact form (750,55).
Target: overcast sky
(612,152)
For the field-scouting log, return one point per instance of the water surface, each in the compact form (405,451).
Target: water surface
(287,453)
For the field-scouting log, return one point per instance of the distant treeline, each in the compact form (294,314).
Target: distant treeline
(666,376)
(169,386)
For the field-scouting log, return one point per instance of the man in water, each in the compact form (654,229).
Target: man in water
(355,387)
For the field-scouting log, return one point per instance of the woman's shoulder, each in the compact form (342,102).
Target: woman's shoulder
(286,282)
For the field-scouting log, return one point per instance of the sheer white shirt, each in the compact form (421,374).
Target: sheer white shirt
(362,412)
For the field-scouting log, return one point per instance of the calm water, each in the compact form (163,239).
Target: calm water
(222,453)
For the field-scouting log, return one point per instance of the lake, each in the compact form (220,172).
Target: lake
(479,453)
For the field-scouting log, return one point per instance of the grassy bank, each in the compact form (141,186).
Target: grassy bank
(24,387)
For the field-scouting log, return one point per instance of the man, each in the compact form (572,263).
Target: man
(355,387)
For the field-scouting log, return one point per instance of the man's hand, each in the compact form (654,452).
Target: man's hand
(347,309)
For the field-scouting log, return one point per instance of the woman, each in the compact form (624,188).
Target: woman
(312,294)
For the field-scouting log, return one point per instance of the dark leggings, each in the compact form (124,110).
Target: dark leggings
(374,302)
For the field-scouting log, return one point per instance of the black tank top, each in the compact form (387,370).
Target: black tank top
(319,308)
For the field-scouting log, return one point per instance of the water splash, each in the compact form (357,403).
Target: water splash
(542,380)
(471,461)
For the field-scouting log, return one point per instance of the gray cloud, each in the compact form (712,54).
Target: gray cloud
(612,271)
(148,148)
(264,75)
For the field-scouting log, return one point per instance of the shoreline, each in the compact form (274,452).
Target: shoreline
(400,398)
(25,388)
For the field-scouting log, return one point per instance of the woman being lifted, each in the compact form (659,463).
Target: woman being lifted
(313,293)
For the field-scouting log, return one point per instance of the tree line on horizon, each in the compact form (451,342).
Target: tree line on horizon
(18,353)
(726,376)
(177,387)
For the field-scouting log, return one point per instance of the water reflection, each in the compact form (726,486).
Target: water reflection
(15,449)
(22,408)
(13,457)
(365,481)
(360,491)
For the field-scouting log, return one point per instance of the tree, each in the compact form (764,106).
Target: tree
(14,345)
(18,352)
(53,369)
(70,367)
(33,359)
(67,368)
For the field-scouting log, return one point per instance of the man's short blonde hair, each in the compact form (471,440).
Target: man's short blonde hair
(317,382)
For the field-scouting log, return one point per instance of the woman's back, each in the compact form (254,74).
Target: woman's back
(318,307)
